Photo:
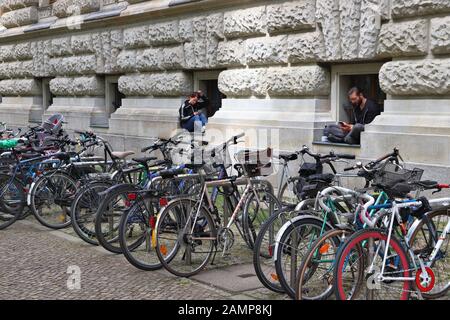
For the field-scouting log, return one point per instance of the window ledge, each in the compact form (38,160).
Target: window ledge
(334,144)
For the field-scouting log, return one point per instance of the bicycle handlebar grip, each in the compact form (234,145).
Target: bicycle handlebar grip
(240,135)
(349,168)
(147,148)
(346,156)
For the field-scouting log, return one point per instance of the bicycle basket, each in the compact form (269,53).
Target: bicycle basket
(392,174)
(309,168)
(256,163)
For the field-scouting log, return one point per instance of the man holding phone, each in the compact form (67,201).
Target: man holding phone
(364,112)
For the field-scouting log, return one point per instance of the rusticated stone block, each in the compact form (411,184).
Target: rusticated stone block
(7,53)
(156,84)
(82,44)
(409,8)
(266,51)
(163,33)
(370,29)
(214,24)
(17,69)
(305,47)
(247,22)
(298,81)
(243,82)
(328,17)
(20,17)
(408,38)
(350,19)
(75,65)
(136,37)
(295,15)
(440,35)
(8,5)
(149,59)
(426,77)
(126,61)
(195,54)
(22,51)
(173,57)
(185,30)
(231,53)
(79,86)
(65,8)
(19,87)
(61,47)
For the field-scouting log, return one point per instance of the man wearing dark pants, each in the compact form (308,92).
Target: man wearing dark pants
(364,112)
(190,118)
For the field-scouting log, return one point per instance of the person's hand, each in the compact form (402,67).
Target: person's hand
(195,113)
(346,127)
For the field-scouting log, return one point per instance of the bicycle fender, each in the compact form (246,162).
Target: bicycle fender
(29,193)
(287,224)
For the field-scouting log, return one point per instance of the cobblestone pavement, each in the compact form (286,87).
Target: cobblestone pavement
(34,262)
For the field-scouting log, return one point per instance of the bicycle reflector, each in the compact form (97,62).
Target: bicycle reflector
(163,202)
(131,196)
(163,249)
(324,249)
(274,276)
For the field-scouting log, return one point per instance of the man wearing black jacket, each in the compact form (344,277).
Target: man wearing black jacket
(364,112)
(190,117)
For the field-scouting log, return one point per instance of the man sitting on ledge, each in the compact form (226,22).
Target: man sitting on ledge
(364,111)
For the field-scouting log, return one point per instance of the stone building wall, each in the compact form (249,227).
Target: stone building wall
(275,60)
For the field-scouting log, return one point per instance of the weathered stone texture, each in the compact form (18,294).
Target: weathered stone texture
(369,28)
(61,47)
(294,15)
(173,57)
(74,65)
(19,17)
(290,81)
(8,5)
(19,87)
(79,86)
(41,58)
(305,47)
(82,44)
(156,84)
(136,37)
(22,51)
(185,30)
(243,82)
(403,39)
(328,17)
(17,69)
(148,59)
(349,27)
(426,77)
(247,22)
(261,51)
(440,35)
(195,54)
(214,25)
(231,53)
(163,33)
(65,8)
(298,81)
(408,8)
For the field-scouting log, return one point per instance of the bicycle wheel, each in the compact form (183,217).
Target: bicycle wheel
(315,275)
(423,240)
(115,202)
(292,244)
(137,234)
(257,210)
(263,252)
(185,237)
(359,263)
(51,198)
(12,200)
(84,208)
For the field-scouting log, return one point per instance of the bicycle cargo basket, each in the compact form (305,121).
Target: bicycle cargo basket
(256,163)
(392,174)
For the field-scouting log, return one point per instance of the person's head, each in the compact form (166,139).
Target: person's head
(199,93)
(193,98)
(355,96)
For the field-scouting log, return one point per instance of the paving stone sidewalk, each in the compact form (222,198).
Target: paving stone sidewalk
(34,263)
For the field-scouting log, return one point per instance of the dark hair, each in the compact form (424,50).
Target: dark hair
(193,95)
(356,90)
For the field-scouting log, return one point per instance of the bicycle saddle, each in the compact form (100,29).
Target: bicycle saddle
(288,157)
(326,177)
(121,155)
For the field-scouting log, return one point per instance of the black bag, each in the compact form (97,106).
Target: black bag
(334,133)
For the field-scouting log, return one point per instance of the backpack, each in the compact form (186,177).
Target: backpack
(334,133)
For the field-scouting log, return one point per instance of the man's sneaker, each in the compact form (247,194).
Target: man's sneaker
(203,129)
